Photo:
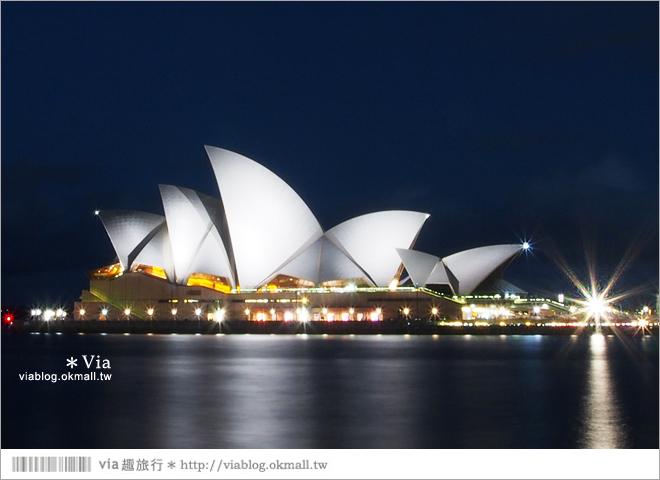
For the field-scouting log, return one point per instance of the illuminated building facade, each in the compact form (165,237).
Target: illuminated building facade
(209,258)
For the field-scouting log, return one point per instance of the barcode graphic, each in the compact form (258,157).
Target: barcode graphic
(51,464)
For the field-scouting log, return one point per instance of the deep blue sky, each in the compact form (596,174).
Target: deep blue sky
(503,121)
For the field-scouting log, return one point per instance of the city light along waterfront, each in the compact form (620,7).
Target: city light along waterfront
(412,311)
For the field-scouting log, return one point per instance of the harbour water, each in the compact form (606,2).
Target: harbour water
(316,391)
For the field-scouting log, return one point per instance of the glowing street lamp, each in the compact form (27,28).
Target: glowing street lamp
(150,312)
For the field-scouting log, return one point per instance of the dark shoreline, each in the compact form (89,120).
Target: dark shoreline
(191,327)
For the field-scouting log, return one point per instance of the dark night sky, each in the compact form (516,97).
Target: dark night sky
(503,121)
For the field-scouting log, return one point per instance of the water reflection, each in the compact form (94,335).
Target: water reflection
(603,425)
(335,392)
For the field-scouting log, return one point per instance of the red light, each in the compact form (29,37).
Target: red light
(9,318)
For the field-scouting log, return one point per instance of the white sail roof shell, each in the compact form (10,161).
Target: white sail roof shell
(371,241)
(158,253)
(321,262)
(418,264)
(260,228)
(438,275)
(195,241)
(127,229)
(268,222)
(441,275)
(471,267)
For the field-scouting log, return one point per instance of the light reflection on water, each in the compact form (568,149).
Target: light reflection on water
(270,402)
(603,425)
(335,392)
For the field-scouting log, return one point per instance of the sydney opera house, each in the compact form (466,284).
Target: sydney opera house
(238,256)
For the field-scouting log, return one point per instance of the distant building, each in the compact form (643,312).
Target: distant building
(257,252)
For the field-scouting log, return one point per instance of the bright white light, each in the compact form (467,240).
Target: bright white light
(48,314)
(96,212)
(81,312)
(434,311)
(537,310)
(38,311)
(247,311)
(351,311)
(393,284)
(525,246)
(378,311)
(174,310)
(150,312)
(560,298)
(572,309)
(595,306)
(198,311)
(59,313)
(324,311)
(127,312)
(288,316)
(645,309)
(33,313)
(104,311)
(220,315)
(304,315)
(406,311)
